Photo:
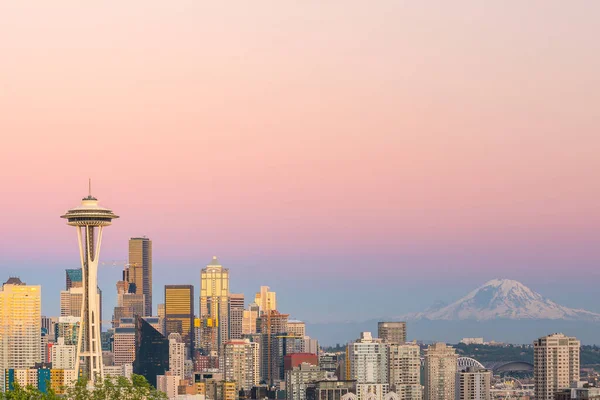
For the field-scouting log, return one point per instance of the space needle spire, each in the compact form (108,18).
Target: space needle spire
(89,219)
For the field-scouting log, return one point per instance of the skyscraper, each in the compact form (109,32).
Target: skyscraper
(272,327)
(405,371)
(129,302)
(392,332)
(151,351)
(214,306)
(241,363)
(473,384)
(179,313)
(368,362)
(140,269)
(249,318)
(266,300)
(177,355)
(555,364)
(20,326)
(236,315)
(90,219)
(440,372)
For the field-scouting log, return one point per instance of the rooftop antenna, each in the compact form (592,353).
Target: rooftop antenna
(90,187)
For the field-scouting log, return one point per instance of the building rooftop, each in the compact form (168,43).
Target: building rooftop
(13,280)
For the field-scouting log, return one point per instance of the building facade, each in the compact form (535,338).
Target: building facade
(20,325)
(299,378)
(266,300)
(151,351)
(367,360)
(214,306)
(179,313)
(473,384)
(440,372)
(555,364)
(241,363)
(392,332)
(236,315)
(404,368)
(140,269)
(177,355)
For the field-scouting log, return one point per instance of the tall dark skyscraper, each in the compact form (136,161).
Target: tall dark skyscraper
(140,269)
(151,351)
(179,313)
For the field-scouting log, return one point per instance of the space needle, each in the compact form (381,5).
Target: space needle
(89,219)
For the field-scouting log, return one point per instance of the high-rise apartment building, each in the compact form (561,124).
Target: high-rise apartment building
(473,384)
(555,364)
(404,368)
(140,269)
(214,306)
(298,378)
(20,326)
(179,314)
(236,315)
(368,365)
(297,328)
(249,318)
(440,372)
(241,363)
(266,300)
(63,355)
(392,332)
(177,355)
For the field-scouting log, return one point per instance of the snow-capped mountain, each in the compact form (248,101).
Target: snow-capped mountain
(508,299)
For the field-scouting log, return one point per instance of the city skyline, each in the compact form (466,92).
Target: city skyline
(383,143)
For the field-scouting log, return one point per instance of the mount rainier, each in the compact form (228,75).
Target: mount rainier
(505,299)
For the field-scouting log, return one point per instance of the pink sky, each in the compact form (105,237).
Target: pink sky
(342,128)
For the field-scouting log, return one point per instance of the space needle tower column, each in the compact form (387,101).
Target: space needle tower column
(89,219)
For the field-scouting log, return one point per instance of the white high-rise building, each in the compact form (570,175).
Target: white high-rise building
(555,364)
(63,355)
(473,384)
(20,326)
(405,371)
(177,354)
(298,378)
(440,372)
(241,363)
(368,365)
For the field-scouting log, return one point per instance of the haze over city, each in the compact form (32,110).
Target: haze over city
(399,152)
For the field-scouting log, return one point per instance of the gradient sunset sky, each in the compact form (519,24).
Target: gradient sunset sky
(362,158)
